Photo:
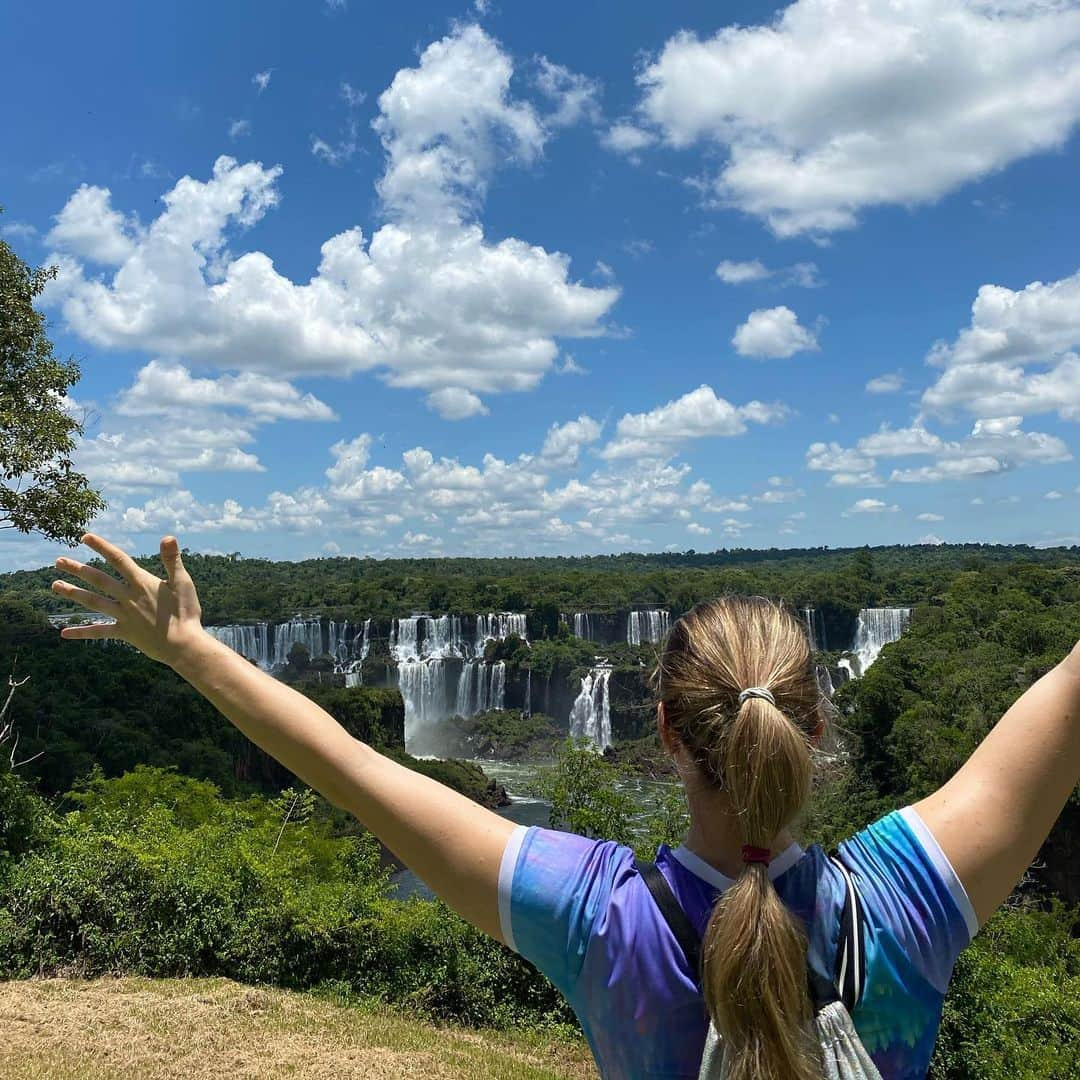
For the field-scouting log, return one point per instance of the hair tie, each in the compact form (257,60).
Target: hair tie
(751,854)
(759,692)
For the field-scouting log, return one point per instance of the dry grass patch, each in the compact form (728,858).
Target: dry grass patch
(69,1029)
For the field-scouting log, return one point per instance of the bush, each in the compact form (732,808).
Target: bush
(1013,1009)
(155,874)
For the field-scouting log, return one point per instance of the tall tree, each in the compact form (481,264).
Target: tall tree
(39,490)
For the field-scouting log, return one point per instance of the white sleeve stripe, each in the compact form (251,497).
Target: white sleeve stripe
(944,867)
(506,882)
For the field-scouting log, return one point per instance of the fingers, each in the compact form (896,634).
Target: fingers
(104,583)
(92,632)
(174,564)
(88,599)
(119,560)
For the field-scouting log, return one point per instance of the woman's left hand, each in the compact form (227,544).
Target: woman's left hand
(160,618)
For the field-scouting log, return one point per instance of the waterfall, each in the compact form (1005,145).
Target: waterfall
(815,629)
(526,704)
(825,683)
(583,627)
(876,628)
(423,689)
(252,642)
(481,687)
(298,631)
(268,644)
(354,668)
(498,626)
(590,715)
(647,627)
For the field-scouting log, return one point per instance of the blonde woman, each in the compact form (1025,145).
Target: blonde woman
(738,709)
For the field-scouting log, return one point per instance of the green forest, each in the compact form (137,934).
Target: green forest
(144,835)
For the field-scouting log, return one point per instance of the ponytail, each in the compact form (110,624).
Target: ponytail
(756,746)
(754,954)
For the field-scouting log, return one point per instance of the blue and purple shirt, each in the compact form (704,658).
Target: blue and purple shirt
(579,911)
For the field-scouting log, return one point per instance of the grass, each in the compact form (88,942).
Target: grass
(63,1029)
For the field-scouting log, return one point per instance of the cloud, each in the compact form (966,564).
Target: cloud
(985,367)
(737,273)
(261,79)
(779,495)
(125,462)
(994,446)
(1053,496)
(352,97)
(426,302)
(872,506)
(456,403)
(638,248)
(773,333)
(18,230)
(161,388)
(625,137)
(698,530)
(929,517)
(338,153)
(575,97)
(88,226)
(239,128)
(822,113)
(564,442)
(885,384)
(803,275)
(698,414)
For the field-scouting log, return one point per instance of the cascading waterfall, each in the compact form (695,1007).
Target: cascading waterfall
(590,715)
(353,669)
(526,705)
(298,631)
(824,679)
(498,626)
(583,627)
(647,627)
(252,642)
(428,649)
(815,629)
(481,688)
(876,628)
(269,644)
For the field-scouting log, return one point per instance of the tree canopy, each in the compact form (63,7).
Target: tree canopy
(40,491)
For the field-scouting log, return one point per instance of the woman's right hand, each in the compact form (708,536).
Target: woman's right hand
(160,618)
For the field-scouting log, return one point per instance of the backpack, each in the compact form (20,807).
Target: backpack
(844,1055)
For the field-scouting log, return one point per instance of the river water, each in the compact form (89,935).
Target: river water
(519,777)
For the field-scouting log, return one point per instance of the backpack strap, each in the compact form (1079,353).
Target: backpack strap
(849,975)
(678,921)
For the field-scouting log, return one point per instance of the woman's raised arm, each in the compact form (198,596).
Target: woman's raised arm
(450,842)
(992,817)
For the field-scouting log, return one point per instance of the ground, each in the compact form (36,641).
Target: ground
(63,1029)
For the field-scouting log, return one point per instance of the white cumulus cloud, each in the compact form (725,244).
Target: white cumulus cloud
(986,369)
(426,302)
(773,334)
(831,108)
(698,414)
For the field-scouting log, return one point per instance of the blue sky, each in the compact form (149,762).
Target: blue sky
(595,277)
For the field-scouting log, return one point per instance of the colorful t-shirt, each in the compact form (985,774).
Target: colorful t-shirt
(579,911)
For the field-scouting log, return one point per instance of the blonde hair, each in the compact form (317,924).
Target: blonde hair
(754,951)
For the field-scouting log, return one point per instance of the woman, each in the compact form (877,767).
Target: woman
(739,710)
